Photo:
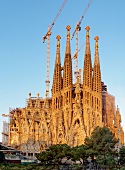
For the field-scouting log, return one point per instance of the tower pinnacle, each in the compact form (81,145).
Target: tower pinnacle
(96,70)
(57,70)
(87,29)
(87,72)
(68,27)
(68,50)
(67,78)
(87,51)
(96,62)
(58,49)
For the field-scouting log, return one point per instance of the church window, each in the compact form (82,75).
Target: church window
(87,95)
(87,101)
(69,96)
(77,121)
(92,101)
(81,95)
(73,93)
(56,102)
(61,103)
(95,102)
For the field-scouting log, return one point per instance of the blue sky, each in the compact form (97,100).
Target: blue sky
(23,55)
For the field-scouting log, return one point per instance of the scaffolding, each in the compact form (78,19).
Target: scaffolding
(5,133)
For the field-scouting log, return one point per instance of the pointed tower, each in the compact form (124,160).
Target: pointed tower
(67,72)
(87,72)
(96,72)
(57,78)
(67,86)
(67,78)
(87,84)
(56,118)
(97,87)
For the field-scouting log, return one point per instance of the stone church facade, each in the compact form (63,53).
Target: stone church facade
(73,111)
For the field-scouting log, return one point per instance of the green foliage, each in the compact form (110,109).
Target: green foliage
(101,147)
(54,154)
(78,153)
(102,142)
(123,168)
(122,155)
(105,161)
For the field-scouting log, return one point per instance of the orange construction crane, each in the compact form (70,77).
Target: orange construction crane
(77,29)
(47,36)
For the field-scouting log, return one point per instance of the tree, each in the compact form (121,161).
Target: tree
(78,153)
(54,154)
(106,161)
(101,145)
(122,155)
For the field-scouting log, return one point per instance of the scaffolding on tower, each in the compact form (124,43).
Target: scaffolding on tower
(5,133)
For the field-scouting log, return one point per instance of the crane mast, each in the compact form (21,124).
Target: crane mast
(77,29)
(74,56)
(47,36)
(76,72)
(48,63)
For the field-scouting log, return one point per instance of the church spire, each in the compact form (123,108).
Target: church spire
(87,50)
(96,62)
(58,50)
(68,50)
(67,78)
(96,70)
(57,79)
(87,72)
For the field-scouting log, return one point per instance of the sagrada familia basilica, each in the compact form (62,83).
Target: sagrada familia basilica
(73,111)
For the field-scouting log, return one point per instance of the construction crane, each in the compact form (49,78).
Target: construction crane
(77,29)
(76,53)
(47,36)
